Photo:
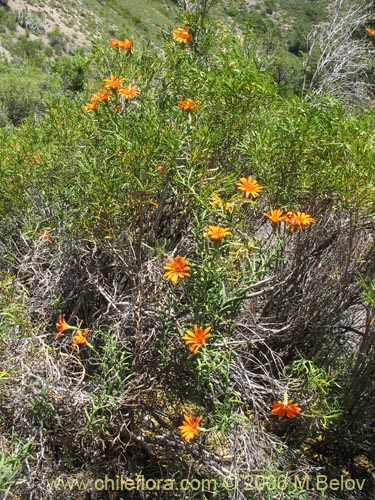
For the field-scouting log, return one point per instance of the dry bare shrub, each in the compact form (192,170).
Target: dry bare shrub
(318,297)
(316,310)
(62,398)
(116,410)
(340,57)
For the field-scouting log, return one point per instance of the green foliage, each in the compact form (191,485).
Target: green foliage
(368,286)
(296,149)
(319,389)
(23,92)
(8,21)
(42,409)
(261,25)
(270,6)
(29,50)
(15,323)
(303,15)
(113,360)
(288,74)
(72,70)
(11,464)
(57,40)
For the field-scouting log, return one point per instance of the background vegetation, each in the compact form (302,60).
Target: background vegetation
(93,204)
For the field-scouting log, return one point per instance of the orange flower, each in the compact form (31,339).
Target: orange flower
(61,326)
(90,106)
(275,215)
(182,35)
(45,235)
(217,232)
(176,268)
(189,427)
(125,45)
(218,202)
(187,104)
(129,92)
(36,158)
(79,337)
(121,44)
(250,186)
(114,43)
(285,408)
(196,338)
(113,82)
(102,95)
(297,219)
(370,31)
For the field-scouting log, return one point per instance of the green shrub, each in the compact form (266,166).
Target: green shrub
(28,50)
(11,465)
(57,40)
(24,91)
(8,20)
(72,70)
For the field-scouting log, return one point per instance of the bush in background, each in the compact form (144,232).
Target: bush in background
(23,92)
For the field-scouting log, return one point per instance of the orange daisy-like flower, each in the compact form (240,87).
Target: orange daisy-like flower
(182,35)
(285,408)
(101,95)
(45,236)
(61,326)
(129,92)
(91,106)
(79,337)
(250,186)
(176,268)
(196,338)
(218,202)
(297,219)
(114,43)
(113,82)
(370,31)
(121,44)
(216,233)
(275,215)
(187,104)
(189,427)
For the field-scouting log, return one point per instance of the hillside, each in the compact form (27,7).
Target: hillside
(52,41)
(72,25)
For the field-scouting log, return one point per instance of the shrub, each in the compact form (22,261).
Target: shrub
(194,237)
(72,70)
(31,21)
(28,50)
(23,92)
